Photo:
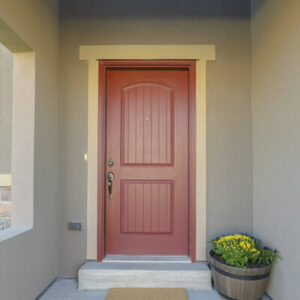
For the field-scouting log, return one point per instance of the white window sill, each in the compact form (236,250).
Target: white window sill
(12,232)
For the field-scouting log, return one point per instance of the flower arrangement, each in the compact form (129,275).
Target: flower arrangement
(243,251)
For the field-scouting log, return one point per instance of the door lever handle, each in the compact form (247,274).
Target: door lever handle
(110,178)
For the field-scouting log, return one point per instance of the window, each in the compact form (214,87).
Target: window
(6,82)
(17,103)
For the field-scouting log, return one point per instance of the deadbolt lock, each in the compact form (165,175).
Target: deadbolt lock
(110,162)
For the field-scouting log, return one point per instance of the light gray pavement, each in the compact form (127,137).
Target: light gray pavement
(66,289)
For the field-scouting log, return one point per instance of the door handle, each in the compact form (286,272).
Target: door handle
(110,178)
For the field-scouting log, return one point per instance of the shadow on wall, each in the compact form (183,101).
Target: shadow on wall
(50,4)
(156,8)
(257,5)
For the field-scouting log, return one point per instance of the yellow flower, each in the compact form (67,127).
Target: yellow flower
(245,245)
(233,238)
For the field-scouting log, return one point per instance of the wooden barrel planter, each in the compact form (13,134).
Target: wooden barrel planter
(238,283)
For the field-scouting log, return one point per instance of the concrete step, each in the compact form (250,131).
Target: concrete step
(147,258)
(144,274)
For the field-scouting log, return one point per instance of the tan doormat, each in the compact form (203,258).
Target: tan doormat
(146,294)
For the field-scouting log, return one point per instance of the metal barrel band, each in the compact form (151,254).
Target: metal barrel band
(241,277)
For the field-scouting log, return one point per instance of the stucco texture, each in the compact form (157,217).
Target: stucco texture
(29,260)
(225,23)
(269,108)
(276,137)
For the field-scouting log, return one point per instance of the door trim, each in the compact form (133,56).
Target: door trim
(188,65)
(91,53)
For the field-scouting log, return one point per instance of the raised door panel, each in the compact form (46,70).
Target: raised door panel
(147,125)
(146,207)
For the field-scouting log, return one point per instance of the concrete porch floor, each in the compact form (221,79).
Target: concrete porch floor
(66,289)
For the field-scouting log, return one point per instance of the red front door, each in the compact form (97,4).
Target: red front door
(147,141)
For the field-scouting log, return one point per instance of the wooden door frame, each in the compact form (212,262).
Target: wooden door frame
(190,66)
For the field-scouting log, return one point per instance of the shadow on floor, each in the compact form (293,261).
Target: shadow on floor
(66,289)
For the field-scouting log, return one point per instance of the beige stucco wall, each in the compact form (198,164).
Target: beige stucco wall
(225,24)
(276,122)
(29,260)
(6,79)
